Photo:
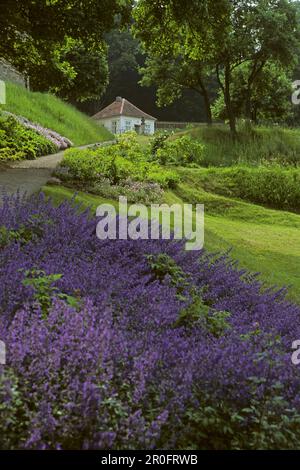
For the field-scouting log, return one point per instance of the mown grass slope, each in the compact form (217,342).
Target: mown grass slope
(51,112)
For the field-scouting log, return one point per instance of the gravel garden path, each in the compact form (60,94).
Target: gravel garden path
(28,176)
(49,162)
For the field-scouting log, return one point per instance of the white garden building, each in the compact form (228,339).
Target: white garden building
(123,116)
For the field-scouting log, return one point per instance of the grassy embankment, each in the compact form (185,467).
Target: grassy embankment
(252,147)
(53,113)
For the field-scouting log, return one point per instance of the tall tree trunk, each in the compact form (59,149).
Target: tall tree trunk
(256,70)
(248,111)
(254,115)
(228,102)
(207,104)
(208,111)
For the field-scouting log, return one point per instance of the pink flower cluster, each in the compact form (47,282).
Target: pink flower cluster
(62,143)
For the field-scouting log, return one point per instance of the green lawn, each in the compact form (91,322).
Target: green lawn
(262,240)
(53,113)
(272,250)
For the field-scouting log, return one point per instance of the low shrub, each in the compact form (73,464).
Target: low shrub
(62,143)
(9,154)
(128,146)
(183,151)
(158,141)
(134,191)
(17,142)
(162,348)
(90,166)
(273,186)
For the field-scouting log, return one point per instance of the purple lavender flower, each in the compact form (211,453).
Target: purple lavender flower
(110,364)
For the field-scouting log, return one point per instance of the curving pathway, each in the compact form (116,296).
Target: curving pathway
(28,176)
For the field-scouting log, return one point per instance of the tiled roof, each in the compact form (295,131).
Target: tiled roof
(122,107)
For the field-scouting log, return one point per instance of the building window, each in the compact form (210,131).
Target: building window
(147,129)
(114,127)
(127,125)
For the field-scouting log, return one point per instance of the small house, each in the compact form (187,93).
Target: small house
(123,116)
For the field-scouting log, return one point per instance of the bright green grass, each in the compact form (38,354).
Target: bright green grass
(53,113)
(262,240)
(58,194)
(252,146)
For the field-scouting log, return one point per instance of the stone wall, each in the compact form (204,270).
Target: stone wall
(10,74)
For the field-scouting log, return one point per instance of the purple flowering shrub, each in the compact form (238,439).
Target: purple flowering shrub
(136,344)
(61,142)
(58,141)
(18,142)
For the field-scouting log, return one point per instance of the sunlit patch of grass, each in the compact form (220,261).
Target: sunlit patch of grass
(53,113)
(252,146)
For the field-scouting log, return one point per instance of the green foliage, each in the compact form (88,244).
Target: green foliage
(22,235)
(25,233)
(272,185)
(17,142)
(52,113)
(164,177)
(92,166)
(76,73)
(8,154)
(128,146)
(12,411)
(215,322)
(29,45)
(45,290)
(172,74)
(135,191)
(180,42)
(124,80)
(117,164)
(263,425)
(269,99)
(182,151)
(220,36)
(158,141)
(162,265)
(254,145)
(164,268)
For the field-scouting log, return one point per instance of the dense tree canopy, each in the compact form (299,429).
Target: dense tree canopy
(270,95)
(31,24)
(75,72)
(185,51)
(223,35)
(54,41)
(173,75)
(125,58)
